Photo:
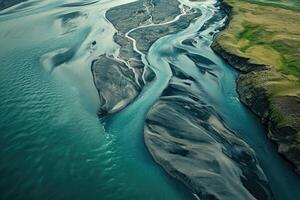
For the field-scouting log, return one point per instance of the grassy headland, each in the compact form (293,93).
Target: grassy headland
(262,40)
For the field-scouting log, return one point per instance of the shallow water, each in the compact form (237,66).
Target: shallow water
(52,143)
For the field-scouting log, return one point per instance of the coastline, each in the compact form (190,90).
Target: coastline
(126,99)
(183,153)
(259,100)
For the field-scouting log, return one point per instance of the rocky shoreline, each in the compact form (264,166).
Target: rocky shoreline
(271,110)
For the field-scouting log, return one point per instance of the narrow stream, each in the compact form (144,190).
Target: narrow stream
(52,145)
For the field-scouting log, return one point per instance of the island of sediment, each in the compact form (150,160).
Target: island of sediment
(182,131)
(135,22)
(262,42)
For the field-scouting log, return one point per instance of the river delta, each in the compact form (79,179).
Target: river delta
(127,100)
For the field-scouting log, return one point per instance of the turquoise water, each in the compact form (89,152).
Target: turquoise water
(284,182)
(52,143)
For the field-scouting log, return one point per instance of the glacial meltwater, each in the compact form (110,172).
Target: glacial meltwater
(52,143)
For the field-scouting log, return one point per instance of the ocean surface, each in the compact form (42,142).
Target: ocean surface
(52,144)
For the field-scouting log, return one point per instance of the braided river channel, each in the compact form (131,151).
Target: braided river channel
(52,143)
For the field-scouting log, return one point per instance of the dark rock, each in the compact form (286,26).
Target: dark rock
(253,95)
(239,63)
(286,134)
(149,74)
(189,42)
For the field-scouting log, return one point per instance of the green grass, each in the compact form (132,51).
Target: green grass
(285,4)
(256,35)
(267,32)
(251,33)
(290,62)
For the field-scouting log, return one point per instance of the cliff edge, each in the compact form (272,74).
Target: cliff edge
(266,56)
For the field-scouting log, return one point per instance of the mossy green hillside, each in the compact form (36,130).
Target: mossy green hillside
(267,33)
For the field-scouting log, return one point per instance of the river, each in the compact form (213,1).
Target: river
(53,145)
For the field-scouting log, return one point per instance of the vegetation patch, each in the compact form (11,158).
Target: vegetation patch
(267,34)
